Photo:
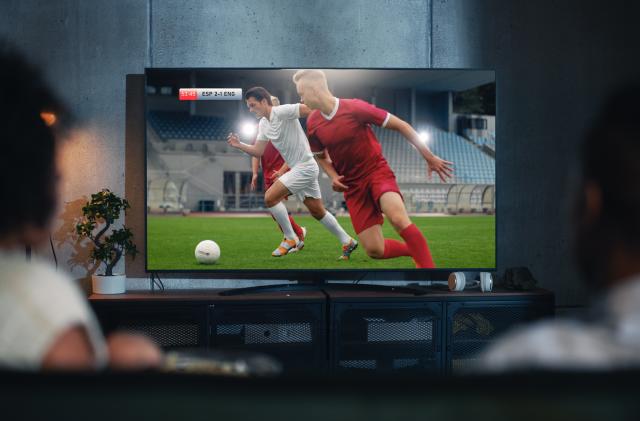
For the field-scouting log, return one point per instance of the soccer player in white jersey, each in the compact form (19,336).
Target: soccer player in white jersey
(280,125)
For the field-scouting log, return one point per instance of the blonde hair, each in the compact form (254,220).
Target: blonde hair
(275,101)
(313,77)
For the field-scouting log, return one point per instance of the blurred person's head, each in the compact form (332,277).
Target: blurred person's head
(607,234)
(29,114)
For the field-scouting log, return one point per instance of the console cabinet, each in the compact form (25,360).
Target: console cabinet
(339,331)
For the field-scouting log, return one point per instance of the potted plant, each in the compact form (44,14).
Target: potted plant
(99,215)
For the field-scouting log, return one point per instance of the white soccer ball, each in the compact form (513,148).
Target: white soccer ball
(207,252)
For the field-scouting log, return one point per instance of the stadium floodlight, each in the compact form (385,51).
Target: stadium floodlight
(249,129)
(424,136)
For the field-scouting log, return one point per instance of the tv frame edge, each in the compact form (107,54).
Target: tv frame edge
(313,276)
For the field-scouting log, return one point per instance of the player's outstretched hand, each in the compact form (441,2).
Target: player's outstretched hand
(443,168)
(337,185)
(233,140)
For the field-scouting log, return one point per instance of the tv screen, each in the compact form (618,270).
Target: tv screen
(369,170)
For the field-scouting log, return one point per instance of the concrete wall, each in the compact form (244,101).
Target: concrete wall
(289,33)
(85,49)
(554,62)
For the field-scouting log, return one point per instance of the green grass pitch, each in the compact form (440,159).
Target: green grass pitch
(247,243)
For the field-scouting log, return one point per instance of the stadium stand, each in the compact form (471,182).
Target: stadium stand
(488,142)
(426,198)
(183,126)
(177,139)
(471,165)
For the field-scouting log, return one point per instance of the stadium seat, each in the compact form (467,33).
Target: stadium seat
(183,126)
(471,165)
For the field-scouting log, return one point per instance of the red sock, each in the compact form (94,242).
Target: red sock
(417,245)
(394,248)
(296,227)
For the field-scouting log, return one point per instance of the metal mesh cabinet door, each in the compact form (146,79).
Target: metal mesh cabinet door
(171,327)
(294,334)
(471,326)
(398,337)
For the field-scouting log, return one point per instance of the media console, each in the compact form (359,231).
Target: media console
(330,330)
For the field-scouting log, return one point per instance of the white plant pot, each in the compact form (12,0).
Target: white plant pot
(114,284)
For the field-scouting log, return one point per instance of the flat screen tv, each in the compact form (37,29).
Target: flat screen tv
(369,131)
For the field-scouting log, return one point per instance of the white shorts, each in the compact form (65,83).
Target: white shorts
(302,180)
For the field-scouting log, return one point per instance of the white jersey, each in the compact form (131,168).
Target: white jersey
(283,129)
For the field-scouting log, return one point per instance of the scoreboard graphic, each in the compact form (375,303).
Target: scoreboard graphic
(210,94)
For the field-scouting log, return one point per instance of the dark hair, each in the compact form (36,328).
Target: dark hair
(259,93)
(610,160)
(28,145)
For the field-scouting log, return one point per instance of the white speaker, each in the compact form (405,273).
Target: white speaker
(486,281)
(457,282)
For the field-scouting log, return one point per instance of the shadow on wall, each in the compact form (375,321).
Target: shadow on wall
(66,236)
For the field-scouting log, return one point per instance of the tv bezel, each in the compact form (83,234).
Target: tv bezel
(312,275)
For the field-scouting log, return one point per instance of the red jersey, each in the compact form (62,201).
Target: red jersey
(270,161)
(348,137)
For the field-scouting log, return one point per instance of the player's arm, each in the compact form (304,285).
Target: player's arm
(443,168)
(257,149)
(324,161)
(255,166)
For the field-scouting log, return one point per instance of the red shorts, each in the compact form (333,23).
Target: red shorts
(363,197)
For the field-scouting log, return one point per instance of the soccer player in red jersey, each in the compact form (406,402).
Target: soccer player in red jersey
(273,166)
(357,167)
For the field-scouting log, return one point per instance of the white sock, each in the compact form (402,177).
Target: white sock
(279,212)
(334,227)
